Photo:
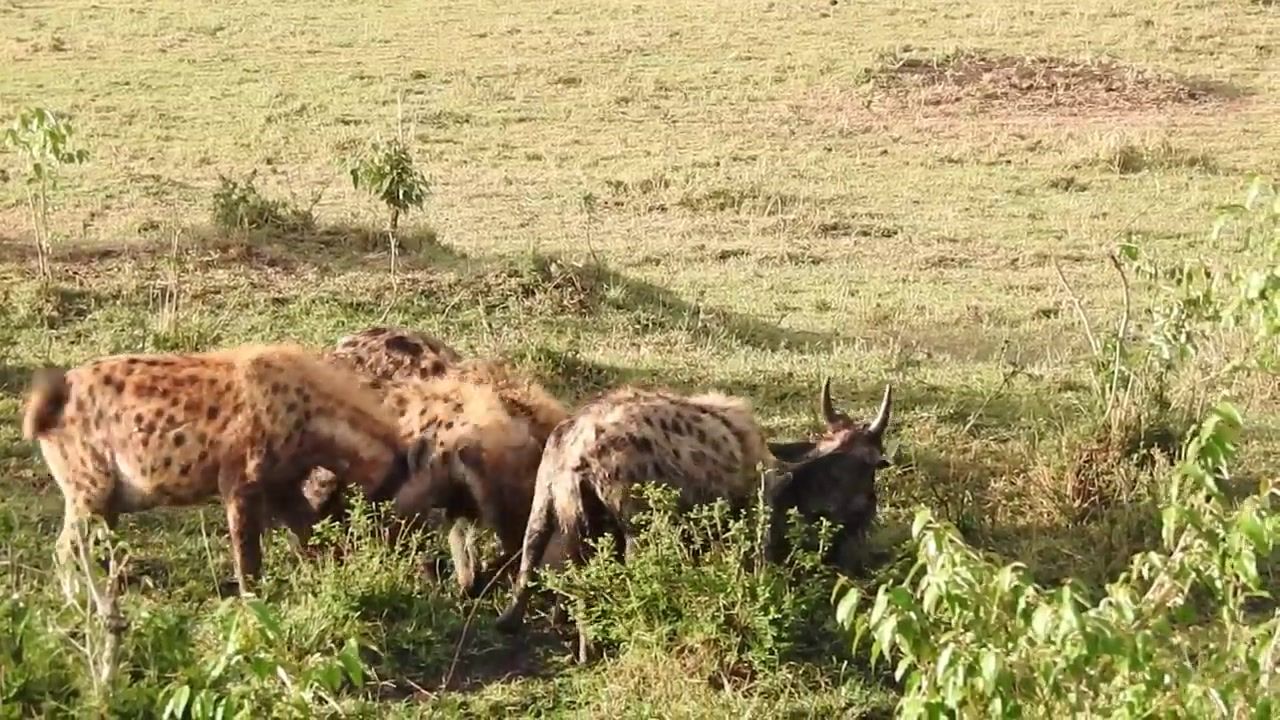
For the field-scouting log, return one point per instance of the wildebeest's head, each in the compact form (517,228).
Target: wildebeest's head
(833,475)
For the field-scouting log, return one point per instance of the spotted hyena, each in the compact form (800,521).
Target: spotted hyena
(377,355)
(706,446)
(385,353)
(487,426)
(131,432)
(474,408)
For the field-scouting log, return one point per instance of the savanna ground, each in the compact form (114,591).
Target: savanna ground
(747,196)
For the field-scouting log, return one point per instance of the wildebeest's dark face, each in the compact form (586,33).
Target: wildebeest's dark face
(833,477)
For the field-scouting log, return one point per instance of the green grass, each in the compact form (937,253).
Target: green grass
(690,193)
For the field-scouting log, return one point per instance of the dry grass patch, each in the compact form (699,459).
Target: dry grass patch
(993,82)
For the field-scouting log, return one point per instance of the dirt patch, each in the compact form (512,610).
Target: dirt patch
(1036,83)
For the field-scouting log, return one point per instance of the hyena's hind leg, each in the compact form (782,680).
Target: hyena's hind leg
(242,491)
(542,515)
(88,484)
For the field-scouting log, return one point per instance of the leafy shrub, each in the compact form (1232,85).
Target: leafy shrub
(254,675)
(1190,628)
(696,586)
(238,205)
(1201,298)
(1179,629)
(361,584)
(386,171)
(35,677)
(44,140)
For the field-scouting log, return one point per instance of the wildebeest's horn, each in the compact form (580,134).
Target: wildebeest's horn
(828,411)
(881,422)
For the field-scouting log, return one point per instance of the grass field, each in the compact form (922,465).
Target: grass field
(748,196)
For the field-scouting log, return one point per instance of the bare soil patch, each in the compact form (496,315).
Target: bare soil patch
(1038,83)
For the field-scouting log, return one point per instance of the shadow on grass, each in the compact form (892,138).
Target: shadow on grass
(593,287)
(14,379)
(339,246)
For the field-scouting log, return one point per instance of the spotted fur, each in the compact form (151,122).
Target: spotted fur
(707,447)
(474,408)
(377,355)
(393,353)
(131,432)
(485,427)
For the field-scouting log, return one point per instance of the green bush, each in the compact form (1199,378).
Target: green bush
(1179,632)
(696,586)
(239,205)
(35,677)
(1191,628)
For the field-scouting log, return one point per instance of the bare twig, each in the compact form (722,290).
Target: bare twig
(1013,371)
(1121,332)
(102,661)
(1075,301)
(466,625)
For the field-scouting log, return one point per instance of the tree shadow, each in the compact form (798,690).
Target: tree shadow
(340,245)
(659,309)
(332,246)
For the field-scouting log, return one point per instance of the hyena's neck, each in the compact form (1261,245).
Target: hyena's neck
(369,456)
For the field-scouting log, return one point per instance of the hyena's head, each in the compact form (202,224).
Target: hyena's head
(833,476)
(444,477)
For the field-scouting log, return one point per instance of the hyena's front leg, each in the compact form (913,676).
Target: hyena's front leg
(242,494)
(462,549)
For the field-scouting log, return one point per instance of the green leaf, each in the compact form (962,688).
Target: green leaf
(1042,621)
(177,704)
(1253,529)
(848,605)
(990,666)
(266,617)
(881,604)
(944,661)
(350,659)
(923,516)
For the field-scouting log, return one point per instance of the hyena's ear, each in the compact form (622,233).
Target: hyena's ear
(419,454)
(467,459)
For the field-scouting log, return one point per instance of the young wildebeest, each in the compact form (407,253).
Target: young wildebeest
(131,432)
(707,447)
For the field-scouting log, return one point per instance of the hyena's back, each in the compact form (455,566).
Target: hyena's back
(706,446)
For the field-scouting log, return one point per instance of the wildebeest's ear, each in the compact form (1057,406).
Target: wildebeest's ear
(790,451)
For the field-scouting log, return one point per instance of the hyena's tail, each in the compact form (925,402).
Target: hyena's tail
(48,397)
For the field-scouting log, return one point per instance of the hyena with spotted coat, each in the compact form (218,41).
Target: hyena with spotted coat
(486,427)
(127,433)
(385,353)
(377,355)
(706,446)
(460,408)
